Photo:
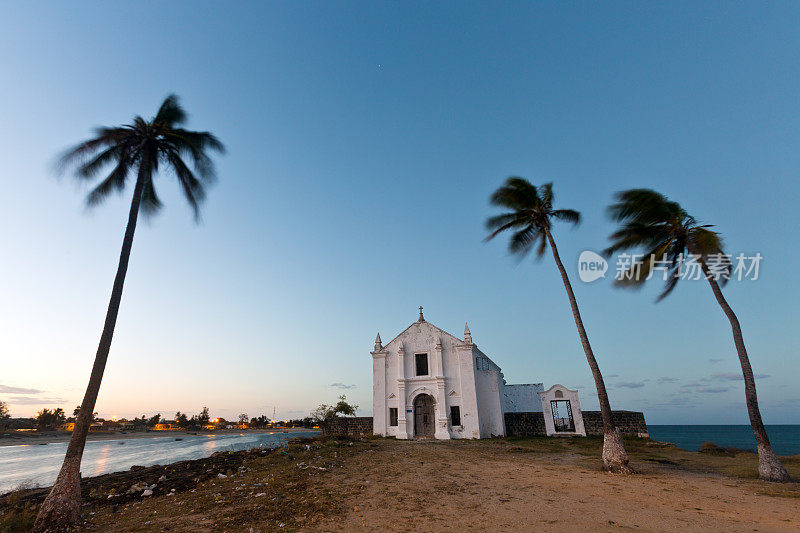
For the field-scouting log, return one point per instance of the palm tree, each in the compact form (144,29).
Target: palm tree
(135,149)
(665,231)
(530,219)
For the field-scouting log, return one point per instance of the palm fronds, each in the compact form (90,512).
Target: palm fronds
(529,217)
(140,147)
(666,234)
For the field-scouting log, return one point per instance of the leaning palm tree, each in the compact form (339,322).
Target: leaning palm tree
(530,220)
(666,232)
(137,150)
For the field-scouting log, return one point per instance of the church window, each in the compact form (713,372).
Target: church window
(393,416)
(422,364)
(455,415)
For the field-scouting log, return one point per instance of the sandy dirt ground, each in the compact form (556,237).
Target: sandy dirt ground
(434,486)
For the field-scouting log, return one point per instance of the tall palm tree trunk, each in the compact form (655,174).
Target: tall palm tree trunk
(770,467)
(615,458)
(61,508)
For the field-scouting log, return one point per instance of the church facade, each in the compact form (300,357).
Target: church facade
(429,383)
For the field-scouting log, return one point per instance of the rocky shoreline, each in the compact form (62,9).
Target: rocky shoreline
(122,487)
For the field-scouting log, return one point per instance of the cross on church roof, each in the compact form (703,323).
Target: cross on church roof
(421,318)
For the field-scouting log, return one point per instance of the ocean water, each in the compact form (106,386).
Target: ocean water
(785,439)
(38,465)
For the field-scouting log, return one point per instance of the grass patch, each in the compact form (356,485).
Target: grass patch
(16,516)
(648,454)
(266,490)
(712,449)
(272,491)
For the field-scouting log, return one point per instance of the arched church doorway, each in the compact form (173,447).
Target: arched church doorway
(423,416)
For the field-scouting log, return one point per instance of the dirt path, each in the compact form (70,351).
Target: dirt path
(463,486)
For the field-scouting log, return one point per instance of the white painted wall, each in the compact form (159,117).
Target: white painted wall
(523,398)
(380,412)
(490,405)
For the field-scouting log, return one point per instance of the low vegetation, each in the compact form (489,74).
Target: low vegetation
(258,488)
(710,459)
(325,413)
(17,513)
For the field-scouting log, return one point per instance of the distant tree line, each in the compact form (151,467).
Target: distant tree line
(51,419)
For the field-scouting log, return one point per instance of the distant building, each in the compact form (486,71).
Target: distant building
(429,383)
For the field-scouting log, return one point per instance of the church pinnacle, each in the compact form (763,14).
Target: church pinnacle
(421,318)
(467,334)
(378,344)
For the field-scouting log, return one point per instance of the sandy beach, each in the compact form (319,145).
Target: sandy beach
(16,438)
(502,484)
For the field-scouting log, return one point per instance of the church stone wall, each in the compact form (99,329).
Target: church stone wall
(532,424)
(628,422)
(517,424)
(351,425)
(525,424)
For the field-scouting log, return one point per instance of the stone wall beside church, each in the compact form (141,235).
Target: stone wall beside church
(525,424)
(629,423)
(532,424)
(517,424)
(350,425)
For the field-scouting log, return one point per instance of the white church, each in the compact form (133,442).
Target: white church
(428,383)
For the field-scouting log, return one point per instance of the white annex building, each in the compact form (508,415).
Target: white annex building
(429,383)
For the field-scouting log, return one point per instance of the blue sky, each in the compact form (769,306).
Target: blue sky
(364,140)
